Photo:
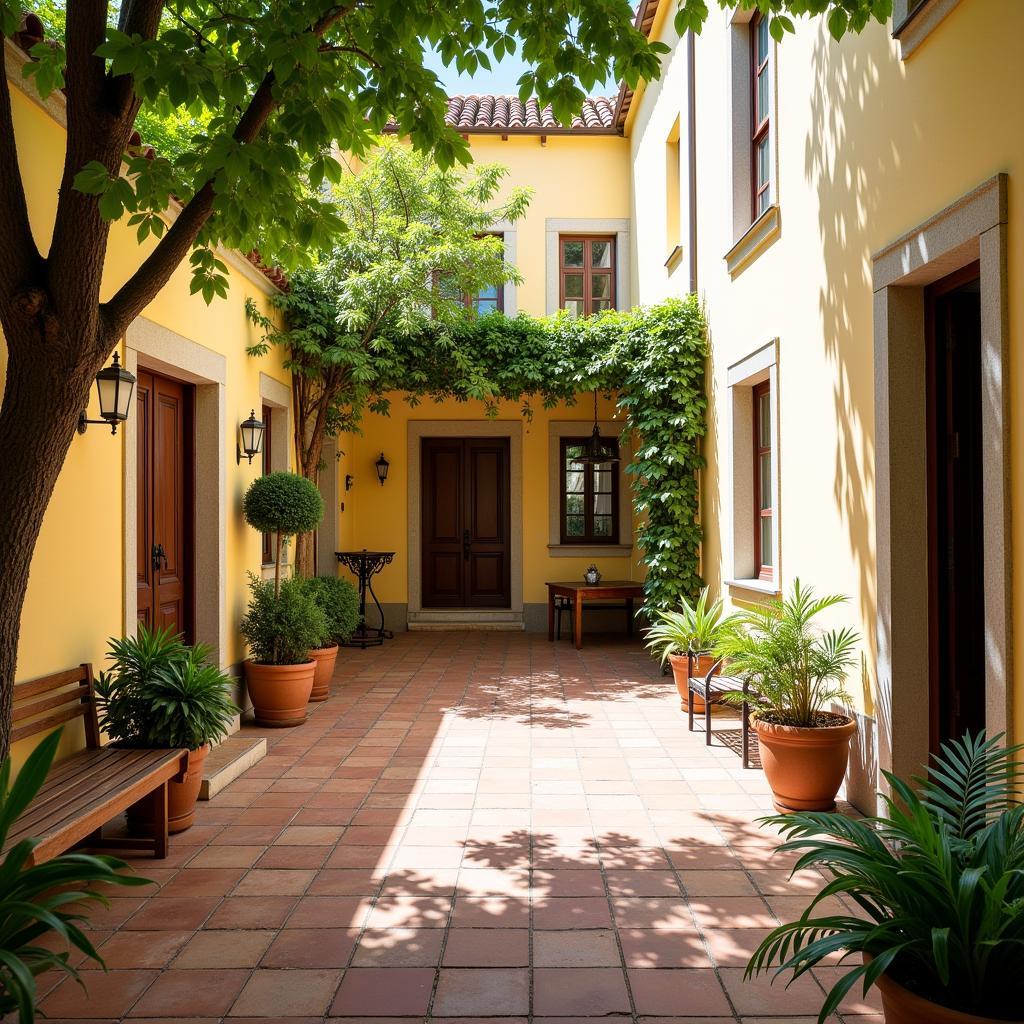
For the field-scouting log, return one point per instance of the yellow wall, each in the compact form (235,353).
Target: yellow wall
(75,597)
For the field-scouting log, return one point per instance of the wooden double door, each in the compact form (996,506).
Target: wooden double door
(165,504)
(465,526)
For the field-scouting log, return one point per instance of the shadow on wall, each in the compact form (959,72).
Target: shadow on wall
(850,167)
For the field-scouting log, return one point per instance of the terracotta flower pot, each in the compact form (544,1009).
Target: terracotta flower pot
(901,1006)
(181,800)
(325,657)
(805,767)
(681,674)
(279,693)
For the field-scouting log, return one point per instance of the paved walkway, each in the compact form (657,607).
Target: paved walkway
(475,825)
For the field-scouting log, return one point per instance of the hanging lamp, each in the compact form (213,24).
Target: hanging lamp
(595,452)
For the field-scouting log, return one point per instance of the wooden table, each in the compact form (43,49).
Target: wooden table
(577,593)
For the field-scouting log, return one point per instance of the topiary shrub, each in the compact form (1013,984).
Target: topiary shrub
(283,504)
(280,628)
(339,601)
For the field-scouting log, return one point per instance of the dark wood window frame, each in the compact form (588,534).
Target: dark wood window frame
(760,120)
(763,571)
(588,536)
(587,271)
(265,456)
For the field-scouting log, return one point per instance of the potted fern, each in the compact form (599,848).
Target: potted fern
(161,692)
(796,674)
(42,906)
(339,602)
(694,628)
(939,887)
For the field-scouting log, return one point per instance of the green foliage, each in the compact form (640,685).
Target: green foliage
(794,669)
(938,881)
(281,629)
(339,601)
(162,692)
(843,15)
(695,627)
(42,907)
(284,503)
(336,74)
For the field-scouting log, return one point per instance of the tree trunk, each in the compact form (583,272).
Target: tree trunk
(44,396)
(309,467)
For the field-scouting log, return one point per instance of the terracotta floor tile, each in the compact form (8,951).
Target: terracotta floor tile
(128,949)
(666,991)
(731,912)
(752,996)
(181,993)
(177,914)
(328,912)
(490,912)
(483,992)
(717,883)
(293,857)
(274,882)
(585,948)
(383,992)
(105,995)
(293,993)
(252,912)
(410,912)
(654,912)
(583,882)
(487,947)
(642,883)
(227,857)
(399,947)
(651,947)
(567,912)
(222,948)
(568,991)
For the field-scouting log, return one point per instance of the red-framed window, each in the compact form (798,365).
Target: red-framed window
(589,498)
(760,116)
(586,273)
(764,554)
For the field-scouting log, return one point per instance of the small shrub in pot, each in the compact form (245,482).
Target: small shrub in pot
(161,692)
(339,602)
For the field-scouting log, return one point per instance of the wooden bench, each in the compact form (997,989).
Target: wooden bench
(84,792)
(712,688)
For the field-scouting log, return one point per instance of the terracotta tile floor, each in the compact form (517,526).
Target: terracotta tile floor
(475,826)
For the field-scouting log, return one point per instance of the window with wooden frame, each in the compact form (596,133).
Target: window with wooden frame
(487,300)
(764,557)
(760,116)
(589,500)
(586,273)
(268,419)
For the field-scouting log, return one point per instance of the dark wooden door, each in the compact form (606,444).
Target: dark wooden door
(466,512)
(956,508)
(165,510)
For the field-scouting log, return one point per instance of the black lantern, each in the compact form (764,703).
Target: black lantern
(382,465)
(114,384)
(251,431)
(595,453)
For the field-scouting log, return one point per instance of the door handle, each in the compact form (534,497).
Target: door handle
(465,543)
(159,555)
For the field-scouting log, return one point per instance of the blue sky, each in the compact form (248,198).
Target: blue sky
(501,79)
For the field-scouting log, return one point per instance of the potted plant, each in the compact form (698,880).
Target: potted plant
(43,906)
(339,602)
(164,693)
(283,622)
(695,629)
(280,629)
(939,887)
(795,672)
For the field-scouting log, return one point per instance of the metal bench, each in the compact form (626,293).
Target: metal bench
(85,791)
(712,688)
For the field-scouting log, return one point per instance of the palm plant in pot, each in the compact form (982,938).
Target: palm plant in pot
(43,906)
(796,672)
(161,692)
(694,629)
(283,622)
(938,880)
(339,602)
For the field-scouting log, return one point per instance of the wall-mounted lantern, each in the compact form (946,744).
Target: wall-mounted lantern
(114,384)
(251,432)
(382,465)
(349,481)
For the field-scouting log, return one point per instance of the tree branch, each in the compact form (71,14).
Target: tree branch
(19,256)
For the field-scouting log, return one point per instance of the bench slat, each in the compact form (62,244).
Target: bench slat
(38,707)
(86,779)
(78,711)
(22,691)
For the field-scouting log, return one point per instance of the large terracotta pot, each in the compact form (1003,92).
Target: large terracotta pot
(681,674)
(324,657)
(279,693)
(805,767)
(181,799)
(901,1006)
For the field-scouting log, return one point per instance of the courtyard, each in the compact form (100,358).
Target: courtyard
(476,825)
